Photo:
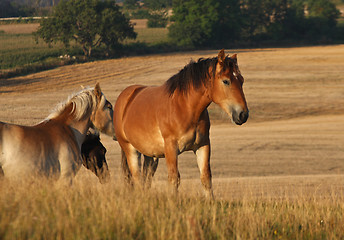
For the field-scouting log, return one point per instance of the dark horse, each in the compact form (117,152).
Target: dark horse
(167,120)
(93,157)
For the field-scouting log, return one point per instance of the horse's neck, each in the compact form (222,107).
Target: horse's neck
(197,100)
(79,129)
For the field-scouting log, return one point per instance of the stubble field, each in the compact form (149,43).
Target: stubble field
(280,175)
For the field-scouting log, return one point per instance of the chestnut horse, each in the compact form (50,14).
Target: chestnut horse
(53,147)
(167,120)
(93,157)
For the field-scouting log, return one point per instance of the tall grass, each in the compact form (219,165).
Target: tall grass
(44,210)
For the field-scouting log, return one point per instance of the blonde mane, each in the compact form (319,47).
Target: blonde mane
(83,104)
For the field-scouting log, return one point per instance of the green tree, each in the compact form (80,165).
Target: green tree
(230,21)
(130,4)
(13,9)
(157,19)
(206,22)
(7,9)
(158,4)
(325,10)
(158,13)
(290,23)
(89,22)
(193,22)
(259,15)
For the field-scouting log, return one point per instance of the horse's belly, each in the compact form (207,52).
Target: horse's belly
(20,164)
(157,151)
(152,143)
(17,165)
(27,158)
(148,143)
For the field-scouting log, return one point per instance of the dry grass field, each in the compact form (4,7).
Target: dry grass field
(289,155)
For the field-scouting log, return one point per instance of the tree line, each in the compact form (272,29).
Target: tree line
(193,23)
(208,22)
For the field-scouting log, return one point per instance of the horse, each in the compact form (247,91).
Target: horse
(52,148)
(166,120)
(93,156)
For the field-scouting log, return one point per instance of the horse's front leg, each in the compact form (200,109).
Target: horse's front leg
(171,155)
(70,161)
(203,161)
(133,163)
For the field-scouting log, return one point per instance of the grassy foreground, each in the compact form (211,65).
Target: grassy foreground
(41,210)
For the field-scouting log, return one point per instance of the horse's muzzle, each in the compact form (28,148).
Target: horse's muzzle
(240,118)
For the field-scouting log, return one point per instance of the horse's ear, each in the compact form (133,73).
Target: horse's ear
(221,57)
(234,57)
(98,91)
(220,61)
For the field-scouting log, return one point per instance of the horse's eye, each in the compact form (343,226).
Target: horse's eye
(226,82)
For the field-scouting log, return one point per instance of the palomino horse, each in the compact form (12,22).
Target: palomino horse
(53,147)
(93,157)
(167,120)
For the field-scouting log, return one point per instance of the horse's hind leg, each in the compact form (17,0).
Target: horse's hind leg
(150,165)
(203,161)
(125,169)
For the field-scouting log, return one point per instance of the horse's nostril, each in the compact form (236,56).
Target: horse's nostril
(243,116)
(240,117)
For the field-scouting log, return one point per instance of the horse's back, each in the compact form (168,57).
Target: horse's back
(126,97)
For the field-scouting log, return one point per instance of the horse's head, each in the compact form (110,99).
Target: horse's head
(227,90)
(102,116)
(93,157)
